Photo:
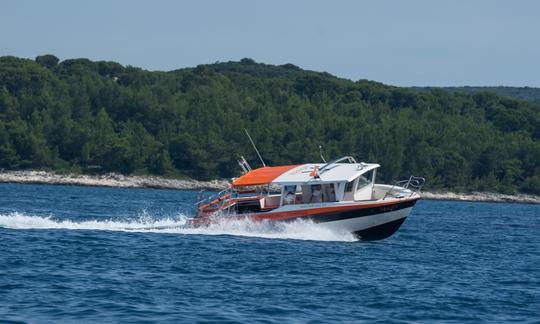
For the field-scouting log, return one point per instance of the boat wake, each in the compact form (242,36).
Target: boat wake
(298,230)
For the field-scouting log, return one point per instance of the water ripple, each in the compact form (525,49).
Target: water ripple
(123,255)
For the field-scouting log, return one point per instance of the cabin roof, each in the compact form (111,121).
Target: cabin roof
(261,176)
(337,172)
(304,174)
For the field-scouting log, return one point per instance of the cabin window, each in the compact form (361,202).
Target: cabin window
(349,186)
(292,194)
(329,193)
(316,194)
(364,180)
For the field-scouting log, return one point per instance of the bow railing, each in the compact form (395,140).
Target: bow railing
(217,198)
(413,184)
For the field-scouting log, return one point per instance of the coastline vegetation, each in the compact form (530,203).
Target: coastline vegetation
(520,93)
(94,117)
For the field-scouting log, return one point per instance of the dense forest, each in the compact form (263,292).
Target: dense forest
(84,116)
(522,93)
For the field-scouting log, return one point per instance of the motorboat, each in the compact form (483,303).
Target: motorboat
(341,195)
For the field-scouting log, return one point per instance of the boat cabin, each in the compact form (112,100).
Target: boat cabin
(268,188)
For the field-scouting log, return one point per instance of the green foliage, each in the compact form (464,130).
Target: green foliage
(48,61)
(520,93)
(88,116)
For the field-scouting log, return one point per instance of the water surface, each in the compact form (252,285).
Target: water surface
(84,254)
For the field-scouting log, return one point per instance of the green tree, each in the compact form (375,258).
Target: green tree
(84,115)
(49,61)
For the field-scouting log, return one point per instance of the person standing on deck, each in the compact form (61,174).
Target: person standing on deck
(316,195)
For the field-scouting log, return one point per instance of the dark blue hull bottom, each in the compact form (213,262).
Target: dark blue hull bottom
(379,232)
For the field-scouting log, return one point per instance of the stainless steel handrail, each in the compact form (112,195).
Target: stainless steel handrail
(413,184)
(210,198)
(349,158)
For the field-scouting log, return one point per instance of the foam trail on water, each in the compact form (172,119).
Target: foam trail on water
(299,230)
(22,221)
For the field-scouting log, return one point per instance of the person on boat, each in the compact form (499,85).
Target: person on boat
(332,194)
(289,198)
(316,194)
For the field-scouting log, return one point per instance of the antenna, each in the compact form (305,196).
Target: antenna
(320,152)
(255,147)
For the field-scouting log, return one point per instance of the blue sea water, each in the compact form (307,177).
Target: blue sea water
(84,254)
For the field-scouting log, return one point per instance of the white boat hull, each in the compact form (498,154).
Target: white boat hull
(373,220)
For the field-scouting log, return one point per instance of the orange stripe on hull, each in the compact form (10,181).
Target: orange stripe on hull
(276,216)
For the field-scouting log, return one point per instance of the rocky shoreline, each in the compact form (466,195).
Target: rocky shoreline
(122,181)
(109,180)
(482,197)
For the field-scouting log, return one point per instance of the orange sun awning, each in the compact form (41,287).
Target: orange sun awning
(262,176)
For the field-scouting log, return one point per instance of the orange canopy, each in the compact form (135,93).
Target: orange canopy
(261,176)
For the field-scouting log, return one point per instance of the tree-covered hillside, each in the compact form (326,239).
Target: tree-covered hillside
(86,116)
(521,93)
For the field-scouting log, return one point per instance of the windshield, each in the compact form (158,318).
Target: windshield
(364,180)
